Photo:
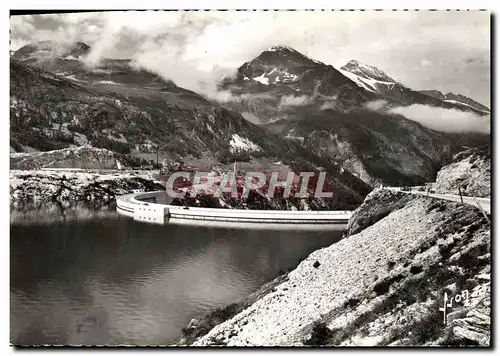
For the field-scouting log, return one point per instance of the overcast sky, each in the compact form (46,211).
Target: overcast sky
(447,51)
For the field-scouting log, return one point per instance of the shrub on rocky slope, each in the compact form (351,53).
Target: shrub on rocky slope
(382,285)
(470,170)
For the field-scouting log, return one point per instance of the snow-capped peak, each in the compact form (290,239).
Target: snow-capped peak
(52,49)
(367,71)
(280,48)
(283,52)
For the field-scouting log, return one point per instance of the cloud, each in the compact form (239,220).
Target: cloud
(376,105)
(222,41)
(292,100)
(330,103)
(426,63)
(251,117)
(61,28)
(445,120)
(252,96)
(225,96)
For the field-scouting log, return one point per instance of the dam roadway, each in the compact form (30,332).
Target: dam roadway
(151,207)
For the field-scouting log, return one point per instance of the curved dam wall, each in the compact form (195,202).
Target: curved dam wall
(142,207)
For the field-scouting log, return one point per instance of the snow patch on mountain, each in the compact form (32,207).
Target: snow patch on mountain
(356,79)
(279,48)
(275,76)
(366,83)
(108,82)
(289,77)
(464,104)
(72,77)
(292,100)
(70,57)
(262,79)
(367,71)
(239,143)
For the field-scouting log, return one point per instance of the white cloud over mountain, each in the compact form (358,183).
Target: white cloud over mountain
(203,45)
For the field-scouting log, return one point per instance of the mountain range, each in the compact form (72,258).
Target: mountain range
(458,99)
(283,106)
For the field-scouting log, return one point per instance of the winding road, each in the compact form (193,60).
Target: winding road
(484,203)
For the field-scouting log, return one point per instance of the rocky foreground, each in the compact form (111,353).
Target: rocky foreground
(383,284)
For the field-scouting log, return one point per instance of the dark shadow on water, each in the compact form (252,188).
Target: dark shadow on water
(140,283)
(57,212)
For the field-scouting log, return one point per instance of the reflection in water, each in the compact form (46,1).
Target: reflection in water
(259,226)
(49,213)
(113,281)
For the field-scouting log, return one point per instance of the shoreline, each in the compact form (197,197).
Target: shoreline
(444,239)
(76,186)
(201,325)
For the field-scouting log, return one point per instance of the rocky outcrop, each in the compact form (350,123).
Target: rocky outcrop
(376,206)
(470,170)
(333,113)
(84,157)
(28,187)
(383,284)
(50,49)
(471,323)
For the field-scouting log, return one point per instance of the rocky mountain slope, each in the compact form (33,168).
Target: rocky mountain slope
(47,50)
(50,111)
(68,61)
(470,170)
(373,79)
(382,285)
(456,99)
(378,148)
(280,79)
(296,110)
(328,111)
(84,157)
(281,72)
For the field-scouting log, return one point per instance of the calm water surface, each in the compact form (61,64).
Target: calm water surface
(107,280)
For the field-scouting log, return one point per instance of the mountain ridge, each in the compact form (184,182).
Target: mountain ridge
(49,112)
(307,102)
(335,123)
(456,97)
(372,78)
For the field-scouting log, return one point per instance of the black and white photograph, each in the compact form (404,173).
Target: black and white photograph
(265,178)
